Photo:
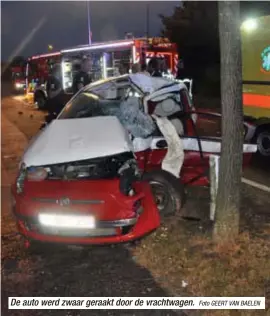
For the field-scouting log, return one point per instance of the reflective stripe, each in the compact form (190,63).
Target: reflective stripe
(175,63)
(262,101)
(137,60)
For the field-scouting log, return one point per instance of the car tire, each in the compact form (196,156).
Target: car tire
(40,101)
(263,140)
(168,192)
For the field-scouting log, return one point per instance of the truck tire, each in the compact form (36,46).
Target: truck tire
(263,140)
(168,192)
(40,100)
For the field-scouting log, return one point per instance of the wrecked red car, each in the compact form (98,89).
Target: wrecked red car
(112,163)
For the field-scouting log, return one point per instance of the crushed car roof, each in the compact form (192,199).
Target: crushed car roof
(144,82)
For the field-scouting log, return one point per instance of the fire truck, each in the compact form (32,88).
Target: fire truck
(111,58)
(101,61)
(18,78)
(256,79)
(37,72)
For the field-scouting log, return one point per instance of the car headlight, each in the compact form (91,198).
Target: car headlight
(37,174)
(19,85)
(67,221)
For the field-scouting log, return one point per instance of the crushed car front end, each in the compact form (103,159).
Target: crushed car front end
(99,200)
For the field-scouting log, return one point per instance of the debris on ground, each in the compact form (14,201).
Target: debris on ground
(187,260)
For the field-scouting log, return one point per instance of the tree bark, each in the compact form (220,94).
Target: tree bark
(226,225)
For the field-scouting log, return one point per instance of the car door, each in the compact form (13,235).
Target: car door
(158,148)
(201,138)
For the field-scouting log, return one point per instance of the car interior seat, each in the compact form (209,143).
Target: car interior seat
(167,108)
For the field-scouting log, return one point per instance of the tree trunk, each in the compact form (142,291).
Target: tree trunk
(226,226)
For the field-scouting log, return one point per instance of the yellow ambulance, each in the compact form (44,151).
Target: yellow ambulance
(255,34)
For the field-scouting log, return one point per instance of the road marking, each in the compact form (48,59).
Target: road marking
(256,185)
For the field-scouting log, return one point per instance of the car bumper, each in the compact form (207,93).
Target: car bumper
(108,235)
(105,231)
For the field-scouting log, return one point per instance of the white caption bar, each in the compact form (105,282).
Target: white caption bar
(136,302)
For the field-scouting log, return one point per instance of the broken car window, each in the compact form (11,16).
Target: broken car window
(89,105)
(138,123)
(127,111)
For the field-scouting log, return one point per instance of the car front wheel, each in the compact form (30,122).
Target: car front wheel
(168,192)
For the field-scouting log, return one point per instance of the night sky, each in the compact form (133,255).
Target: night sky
(66,23)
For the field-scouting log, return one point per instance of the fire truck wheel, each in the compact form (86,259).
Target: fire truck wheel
(168,191)
(40,101)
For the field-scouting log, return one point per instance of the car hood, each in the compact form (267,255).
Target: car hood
(70,140)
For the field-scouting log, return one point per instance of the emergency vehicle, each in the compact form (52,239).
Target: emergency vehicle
(101,61)
(18,78)
(117,57)
(37,72)
(256,79)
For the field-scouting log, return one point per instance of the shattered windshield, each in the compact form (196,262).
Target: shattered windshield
(128,111)
(88,105)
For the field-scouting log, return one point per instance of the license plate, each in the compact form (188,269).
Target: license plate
(67,221)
